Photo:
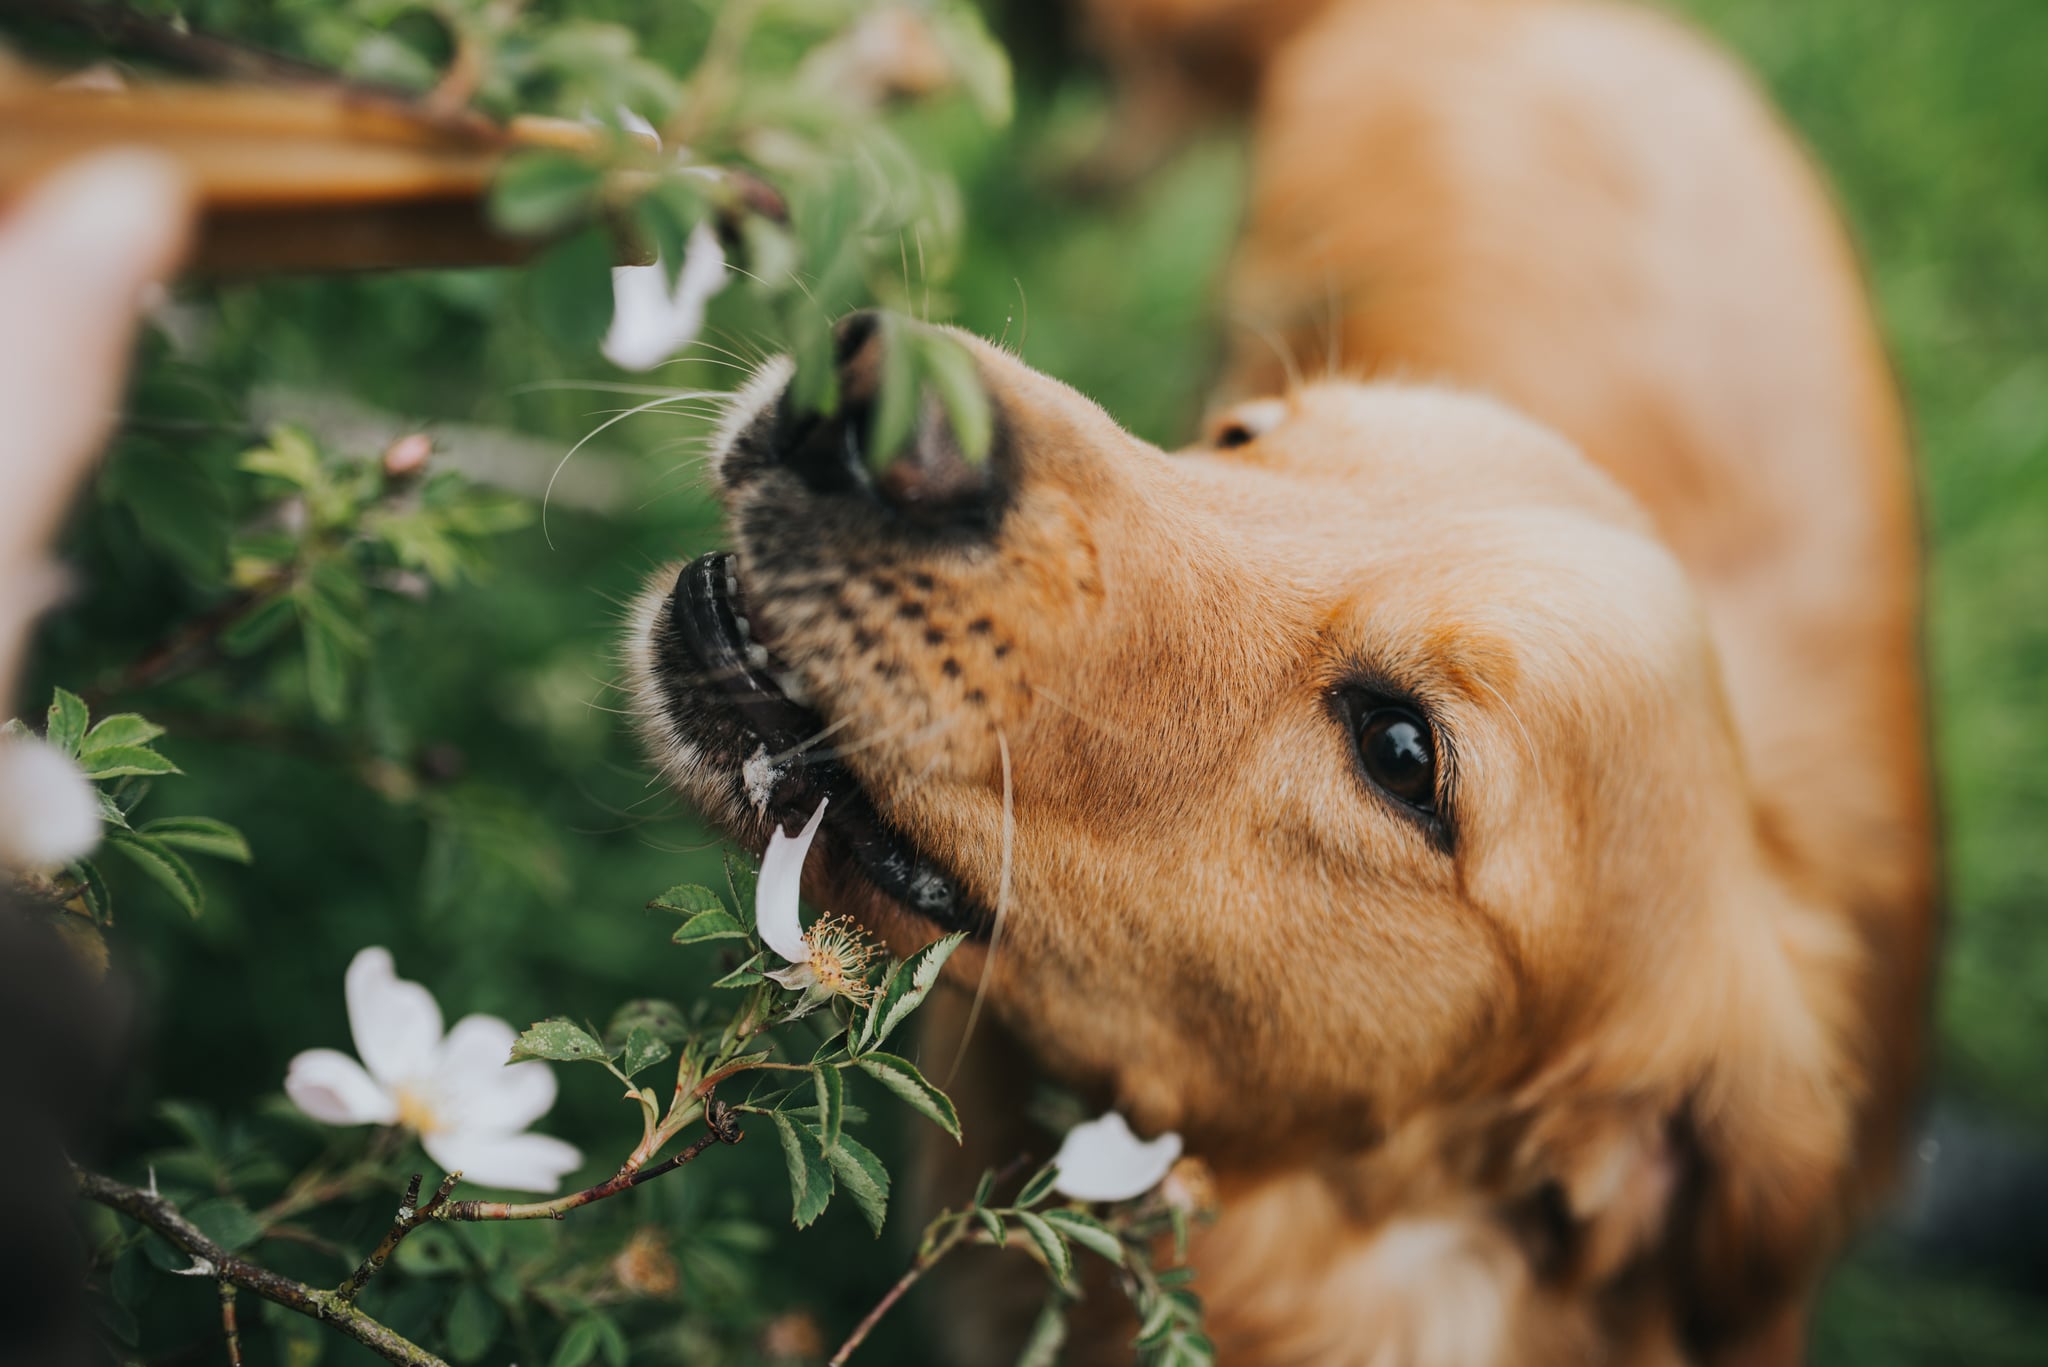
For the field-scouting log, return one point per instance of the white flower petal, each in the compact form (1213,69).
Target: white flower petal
(333,1088)
(780,884)
(49,811)
(473,1088)
(651,322)
(516,1162)
(396,1023)
(1103,1161)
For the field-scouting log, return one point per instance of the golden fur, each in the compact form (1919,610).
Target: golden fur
(1609,1072)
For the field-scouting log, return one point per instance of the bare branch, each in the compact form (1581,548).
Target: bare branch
(719,1129)
(411,1214)
(160,1216)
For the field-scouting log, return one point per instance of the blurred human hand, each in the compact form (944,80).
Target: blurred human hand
(78,257)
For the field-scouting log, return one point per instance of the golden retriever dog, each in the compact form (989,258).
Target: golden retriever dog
(1477,795)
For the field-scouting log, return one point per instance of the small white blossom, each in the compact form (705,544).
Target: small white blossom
(651,321)
(828,960)
(1102,1160)
(49,810)
(469,1108)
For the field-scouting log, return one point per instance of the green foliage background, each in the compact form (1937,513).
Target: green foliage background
(485,813)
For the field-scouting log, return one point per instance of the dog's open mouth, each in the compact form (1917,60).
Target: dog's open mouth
(710,641)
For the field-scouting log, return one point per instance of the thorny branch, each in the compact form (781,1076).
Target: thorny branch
(338,1306)
(147,1208)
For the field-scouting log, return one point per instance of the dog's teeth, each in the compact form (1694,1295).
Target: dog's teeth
(793,688)
(746,628)
(732,585)
(757,656)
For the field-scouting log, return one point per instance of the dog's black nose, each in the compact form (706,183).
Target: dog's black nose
(927,477)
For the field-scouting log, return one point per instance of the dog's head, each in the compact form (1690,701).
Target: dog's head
(1365,762)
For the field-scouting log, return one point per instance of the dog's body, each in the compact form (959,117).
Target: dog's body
(1507,862)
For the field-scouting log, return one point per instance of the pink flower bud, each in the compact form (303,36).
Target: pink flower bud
(407,456)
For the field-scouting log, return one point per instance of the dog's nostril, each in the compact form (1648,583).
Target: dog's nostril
(926,477)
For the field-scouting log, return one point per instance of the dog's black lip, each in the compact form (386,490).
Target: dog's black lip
(705,617)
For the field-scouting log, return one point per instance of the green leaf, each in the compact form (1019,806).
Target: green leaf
(1088,1232)
(905,989)
(667,214)
(1048,1334)
(117,761)
(831,1104)
(258,627)
(1059,1259)
(569,291)
(472,1325)
(579,1346)
(161,863)
(993,1225)
(863,1177)
(1040,1186)
(810,1176)
(986,1187)
(953,374)
(708,925)
(430,1252)
(111,810)
(688,899)
(897,396)
(228,1223)
(558,1040)
(900,1076)
(746,975)
(92,890)
(326,668)
(662,1019)
(740,877)
(290,456)
(643,1049)
(200,835)
(541,192)
(123,728)
(978,61)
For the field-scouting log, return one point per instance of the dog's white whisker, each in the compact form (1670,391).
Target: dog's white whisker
(995,935)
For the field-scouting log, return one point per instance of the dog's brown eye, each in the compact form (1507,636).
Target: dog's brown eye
(1399,755)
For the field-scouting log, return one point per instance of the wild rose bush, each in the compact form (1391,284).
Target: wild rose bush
(325,754)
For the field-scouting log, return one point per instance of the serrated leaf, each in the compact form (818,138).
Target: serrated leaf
(993,1224)
(662,1019)
(163,865)
(746,975)
(1088,1232)
(831,1105)
(558,1040)
(810,1177)
(121,761)
(228,1223)
(955,377)
(290,456)
(740,878)
(258,627)
(986,1187)
(864,1178)
(643,1049)
(1048,1334)
(92,890)
(708,925)
(123,728)
(900,1076)
(111,811)
(1051,1245)
(1157,1324)
(326,667)
(579,1345)
(65,722)
(1040,1185)
(905,989)
(200,835)
(688,899)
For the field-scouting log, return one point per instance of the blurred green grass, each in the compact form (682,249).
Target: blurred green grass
(514,887)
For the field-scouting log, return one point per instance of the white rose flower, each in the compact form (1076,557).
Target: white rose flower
(469,1108)
(49,810)
(828,960)
(1102,1160)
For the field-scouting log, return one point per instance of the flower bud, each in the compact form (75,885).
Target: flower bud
(1189,1188)
(645,1267)
(407,457)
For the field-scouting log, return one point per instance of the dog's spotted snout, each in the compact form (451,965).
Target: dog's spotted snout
(926,480)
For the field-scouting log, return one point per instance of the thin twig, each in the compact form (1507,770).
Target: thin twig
(923,1263)
(228,1325)
(719,1129)
(160,1216)
(411,1214)
(192,645)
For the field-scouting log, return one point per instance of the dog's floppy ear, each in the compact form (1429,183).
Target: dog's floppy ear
(1770,1131)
